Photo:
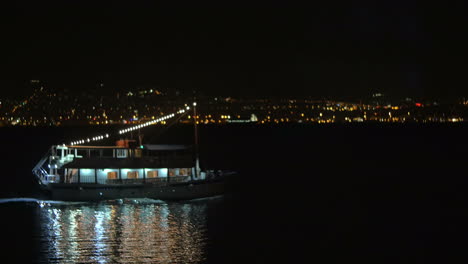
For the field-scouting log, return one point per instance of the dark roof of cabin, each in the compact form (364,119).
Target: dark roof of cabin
(165,147)
(96,147)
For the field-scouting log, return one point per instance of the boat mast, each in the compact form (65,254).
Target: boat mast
(195,120)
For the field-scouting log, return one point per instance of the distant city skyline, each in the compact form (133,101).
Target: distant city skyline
(49,107)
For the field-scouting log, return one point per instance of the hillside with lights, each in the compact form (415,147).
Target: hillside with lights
(48,107)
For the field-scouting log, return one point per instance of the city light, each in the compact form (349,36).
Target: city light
(137,112)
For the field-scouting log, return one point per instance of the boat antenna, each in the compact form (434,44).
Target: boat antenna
(140,137)
(195,121)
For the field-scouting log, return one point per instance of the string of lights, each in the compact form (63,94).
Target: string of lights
(87,140)
(126,130)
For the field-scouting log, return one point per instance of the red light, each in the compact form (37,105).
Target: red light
(418,104)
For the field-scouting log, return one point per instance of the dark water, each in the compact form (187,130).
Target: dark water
(304,194)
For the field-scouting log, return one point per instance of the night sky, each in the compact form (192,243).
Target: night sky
(341,50)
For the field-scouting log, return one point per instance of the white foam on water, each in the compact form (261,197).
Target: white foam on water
(18,200)
(34,200)
(43,203)
(207,198)
(143,201)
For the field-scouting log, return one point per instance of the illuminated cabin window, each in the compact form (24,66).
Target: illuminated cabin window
(185,172)
(138,153)
(132,175)
(71,176)
(121,153)
(152,174)
(171,172)
(112,175)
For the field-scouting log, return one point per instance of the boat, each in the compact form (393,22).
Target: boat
(126,170)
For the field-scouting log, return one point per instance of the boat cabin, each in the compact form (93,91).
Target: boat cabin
(123,163)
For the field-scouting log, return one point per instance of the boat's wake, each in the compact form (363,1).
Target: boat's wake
(135,201)
(211,198)
(18,200)
(142,201)
(27,200)
(156,201)
(34,200)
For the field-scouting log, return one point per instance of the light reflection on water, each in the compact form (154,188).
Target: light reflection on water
(123,233)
